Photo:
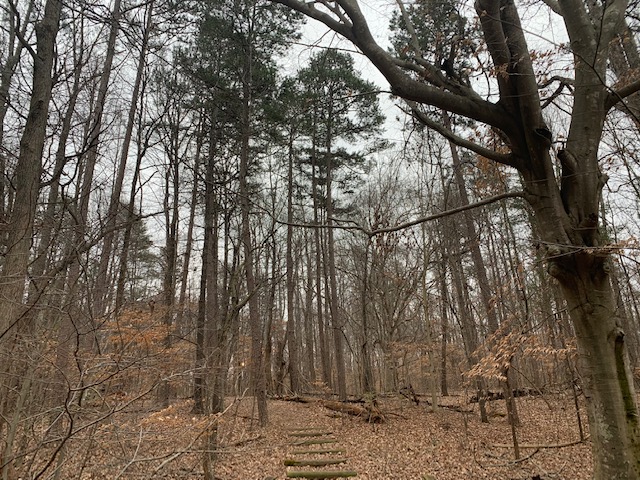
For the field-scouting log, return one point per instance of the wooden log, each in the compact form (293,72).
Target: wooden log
(290,462)
(317,441)
(310,433)
(368,413)
(296,398)
(318,452)
(322,474)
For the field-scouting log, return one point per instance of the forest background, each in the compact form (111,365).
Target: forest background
(197,201)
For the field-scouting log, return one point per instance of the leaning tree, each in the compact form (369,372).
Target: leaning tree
(561,181)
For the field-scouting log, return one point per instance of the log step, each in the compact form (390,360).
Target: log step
(317,441)
(315,436)
(319,452)
(322,474)
(314,463)
(311,433)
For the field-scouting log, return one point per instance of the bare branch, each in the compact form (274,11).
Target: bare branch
(402,226)
(464,101)
(505,159)
(622,93)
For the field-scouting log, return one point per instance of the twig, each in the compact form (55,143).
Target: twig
(187,449)
(133,459)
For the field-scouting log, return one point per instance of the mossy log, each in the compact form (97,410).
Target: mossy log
(322,474)
(289,462)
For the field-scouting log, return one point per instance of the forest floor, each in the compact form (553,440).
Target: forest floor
(412,442)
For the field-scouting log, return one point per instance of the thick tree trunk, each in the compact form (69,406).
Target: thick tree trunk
(605,370)
(28,170)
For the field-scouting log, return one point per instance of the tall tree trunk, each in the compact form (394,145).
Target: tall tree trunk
(88,162)
(334,305)
(308,317)
(277,386)
(292,329)
(255,325)
(325,360)
(115,204)
(468,327)
(480,269)
(27,173)
(186,262)
(171,218)
(15,48)
(128,230)
(368,382)
(444,322)
(208,316)
(22,217)
(428,325)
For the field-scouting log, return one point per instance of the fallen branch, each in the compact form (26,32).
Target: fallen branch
(242,443)
(369,413)
(512,462)
(540,445)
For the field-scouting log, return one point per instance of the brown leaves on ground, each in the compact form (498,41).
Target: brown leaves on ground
(413,443)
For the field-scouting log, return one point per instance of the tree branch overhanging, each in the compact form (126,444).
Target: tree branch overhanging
(402,226)
(503,158)
(463,101)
